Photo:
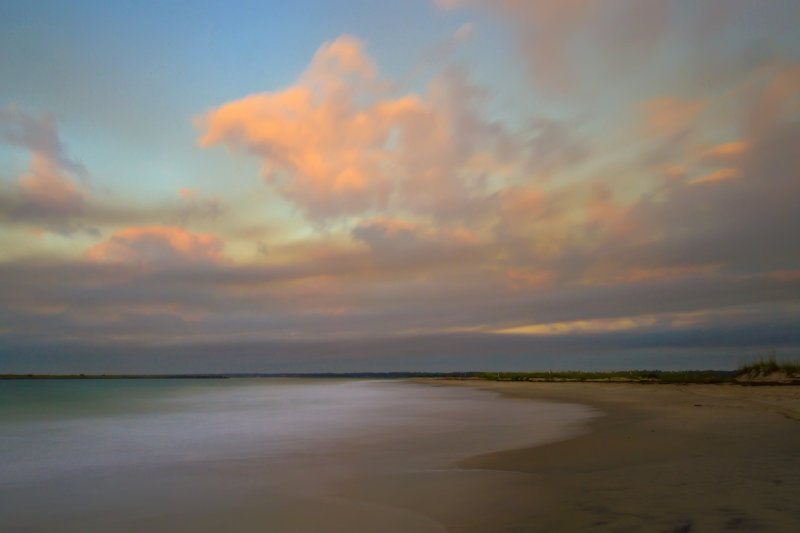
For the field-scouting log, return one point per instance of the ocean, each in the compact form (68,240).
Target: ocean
(280,455)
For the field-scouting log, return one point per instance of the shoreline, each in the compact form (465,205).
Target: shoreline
(686,457)
(655,457)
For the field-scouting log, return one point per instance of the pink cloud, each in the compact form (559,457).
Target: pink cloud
(150,246)
(336,144)
(326,151)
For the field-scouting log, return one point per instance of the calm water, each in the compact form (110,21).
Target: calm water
(249,454)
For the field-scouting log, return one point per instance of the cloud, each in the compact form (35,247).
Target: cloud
(554,146)
(228,303)
(158,246)
(464,32)
(726,152)
(429,214)
(616,34)
(669,116)
(533,256)
(533,226)
(442,153)
(327,151)
(38,135)
(671,128)
(544,31)
(337,144)
(47,189)
(591,47)
(194,205)
(377,232)
(718,175)
(48,192)
(407,243)
(444,50)
(775,98)
(736,217)
(723,207)
(52,193)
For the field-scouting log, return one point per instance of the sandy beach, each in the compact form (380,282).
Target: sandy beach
(400,457)
(663,458)
(282,455)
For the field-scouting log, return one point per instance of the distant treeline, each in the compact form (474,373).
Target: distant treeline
(340,375)
(763,367)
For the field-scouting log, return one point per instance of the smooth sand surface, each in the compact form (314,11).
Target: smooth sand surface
(673,458)
(664,458)
(243,456)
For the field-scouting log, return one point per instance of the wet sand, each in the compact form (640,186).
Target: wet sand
(663,458)
(622,457)
(281,456)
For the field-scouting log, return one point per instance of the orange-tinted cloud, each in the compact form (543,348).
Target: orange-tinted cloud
(604,215)
(726,152)
(149,246)
(46,187)
(722,174)
(328,153)
(190,195)
(580,326)
(533,224)
(669,116)
(637,274)
(336,144)
(672,171)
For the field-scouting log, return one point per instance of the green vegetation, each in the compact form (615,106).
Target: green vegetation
(764,365)
(641,376)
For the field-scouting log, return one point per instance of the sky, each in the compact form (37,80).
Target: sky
(310,186)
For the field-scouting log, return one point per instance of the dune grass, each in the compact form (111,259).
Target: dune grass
(642,376)
(764,365)
(761,366)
